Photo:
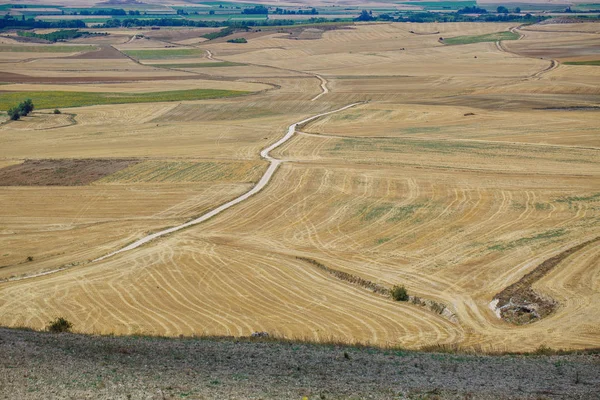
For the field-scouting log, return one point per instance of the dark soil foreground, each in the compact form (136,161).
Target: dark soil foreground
(36,365)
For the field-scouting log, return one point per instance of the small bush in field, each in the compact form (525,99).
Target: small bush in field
(59,325)
(399,293)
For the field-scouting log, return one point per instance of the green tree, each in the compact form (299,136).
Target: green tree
(502,10)
(399,293)
(365,16)
(26,107)
(14,113)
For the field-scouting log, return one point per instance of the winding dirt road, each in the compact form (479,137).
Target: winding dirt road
(264,180)
(553,63)
(324,89)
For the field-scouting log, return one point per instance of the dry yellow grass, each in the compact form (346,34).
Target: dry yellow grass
(458,177)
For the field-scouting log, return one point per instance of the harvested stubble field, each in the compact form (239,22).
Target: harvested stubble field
(490,37)
(463,169)
(44,49)
(162,54)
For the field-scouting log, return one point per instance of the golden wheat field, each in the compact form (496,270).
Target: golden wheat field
(459,171)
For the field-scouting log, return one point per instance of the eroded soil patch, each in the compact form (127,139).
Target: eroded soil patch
(73,172)
(520,304)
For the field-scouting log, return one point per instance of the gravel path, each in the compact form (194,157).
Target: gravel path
(36,365)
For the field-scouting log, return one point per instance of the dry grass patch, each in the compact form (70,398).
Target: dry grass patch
(45,49)
(187,171)
(162,54)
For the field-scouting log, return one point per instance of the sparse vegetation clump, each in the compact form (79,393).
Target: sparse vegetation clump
(222,33)
(238,40)
(490,37)
(59,325)
(57,111)
(399,293)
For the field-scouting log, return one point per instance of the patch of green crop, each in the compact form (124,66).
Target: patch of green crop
(542,206)
(371,213)
(56,99)
(490,37)
(45,49)
(593,197)
(197,65)
(591,62)
(382,240)
(395,213)
(403,212)
(161,54)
